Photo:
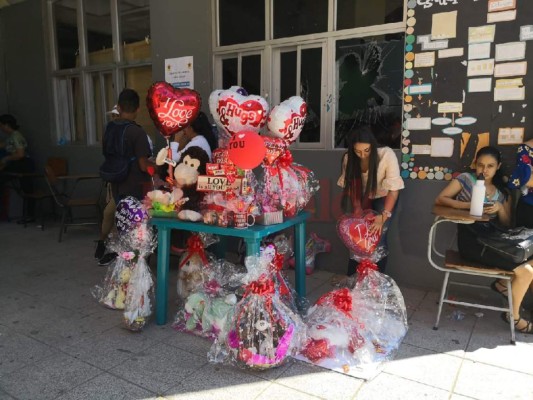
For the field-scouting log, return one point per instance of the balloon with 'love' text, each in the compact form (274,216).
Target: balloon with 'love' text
(172,109)
(246,149)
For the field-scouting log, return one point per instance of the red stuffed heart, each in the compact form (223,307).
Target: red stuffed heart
(275,147)
(355,233)
(172,109)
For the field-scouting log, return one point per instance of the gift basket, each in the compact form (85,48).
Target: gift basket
(355,330)
(206,310)
(263,332)
(128,284)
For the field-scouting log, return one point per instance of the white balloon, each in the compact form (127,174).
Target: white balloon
(236,113)
(287,119)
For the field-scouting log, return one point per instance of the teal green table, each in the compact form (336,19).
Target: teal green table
(252,237)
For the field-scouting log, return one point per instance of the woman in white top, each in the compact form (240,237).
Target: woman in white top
(371,180)
(199,134)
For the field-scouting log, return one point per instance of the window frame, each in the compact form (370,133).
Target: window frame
(85,71)
(269,71)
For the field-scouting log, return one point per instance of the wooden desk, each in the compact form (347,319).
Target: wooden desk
(252,237)
(455,214)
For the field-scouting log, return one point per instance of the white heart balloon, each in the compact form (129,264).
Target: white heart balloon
(287,119)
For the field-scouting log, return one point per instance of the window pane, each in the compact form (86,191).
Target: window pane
(229,73)
(134,25)
(241,21)
(104,100)
(66,34)
(293,18)
(358,13)
(288,75)
(251,74)
(140,79)
(71,114)
(369,76)
(310,90)
(99,38)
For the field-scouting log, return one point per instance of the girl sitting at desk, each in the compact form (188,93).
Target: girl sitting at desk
(457,195)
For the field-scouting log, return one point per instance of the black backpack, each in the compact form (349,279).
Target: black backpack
(116,166)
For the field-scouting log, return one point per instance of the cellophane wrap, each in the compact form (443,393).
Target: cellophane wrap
(140,297)
(286,185)
(206,310)
(113,290)
(193,265)
(111,293)
(354,331)
(264,332)
(380,306)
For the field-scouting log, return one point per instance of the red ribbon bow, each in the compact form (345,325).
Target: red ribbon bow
(341,299)
(195,246)
(261,287)
(364,268)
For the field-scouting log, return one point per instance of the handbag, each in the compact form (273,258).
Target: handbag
(515,244)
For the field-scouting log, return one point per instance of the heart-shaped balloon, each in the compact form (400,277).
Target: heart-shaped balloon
(275,147)
(236,112)
(354,231)
(172,109)
(287,119)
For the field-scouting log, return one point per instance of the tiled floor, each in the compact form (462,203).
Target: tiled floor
(56,342)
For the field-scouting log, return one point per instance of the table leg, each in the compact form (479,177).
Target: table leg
(252,247)
(161,290)
(299,250)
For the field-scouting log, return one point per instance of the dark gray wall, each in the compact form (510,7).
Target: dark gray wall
(182,28)
(175,33)
(24,76)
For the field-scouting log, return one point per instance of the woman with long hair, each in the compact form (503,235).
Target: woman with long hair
(370,180)
(458,194)
(199,133)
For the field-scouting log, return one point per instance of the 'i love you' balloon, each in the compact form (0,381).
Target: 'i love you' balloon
(172,109)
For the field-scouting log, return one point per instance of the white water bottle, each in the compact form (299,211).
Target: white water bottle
(478,197)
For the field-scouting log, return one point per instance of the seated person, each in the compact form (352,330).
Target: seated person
(15,159)
(522,179)
(457,195)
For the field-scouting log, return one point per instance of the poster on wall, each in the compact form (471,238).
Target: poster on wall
(466,83)
(179,72)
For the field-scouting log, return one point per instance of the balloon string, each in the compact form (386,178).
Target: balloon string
(170,177)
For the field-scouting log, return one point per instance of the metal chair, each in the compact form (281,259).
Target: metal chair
(451,263)
(70,198)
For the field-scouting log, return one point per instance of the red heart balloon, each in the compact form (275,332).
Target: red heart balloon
(172,109)
(355,233)
(275,147)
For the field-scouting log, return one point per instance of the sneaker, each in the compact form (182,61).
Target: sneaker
(107,259)
(100,249)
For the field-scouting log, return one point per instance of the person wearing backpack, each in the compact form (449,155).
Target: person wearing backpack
(126,150)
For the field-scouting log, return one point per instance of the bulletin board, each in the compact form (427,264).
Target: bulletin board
(467,83)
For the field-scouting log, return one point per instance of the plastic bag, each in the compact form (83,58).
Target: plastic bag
(140,297)
(264,331)
(206,310)
(355,331)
